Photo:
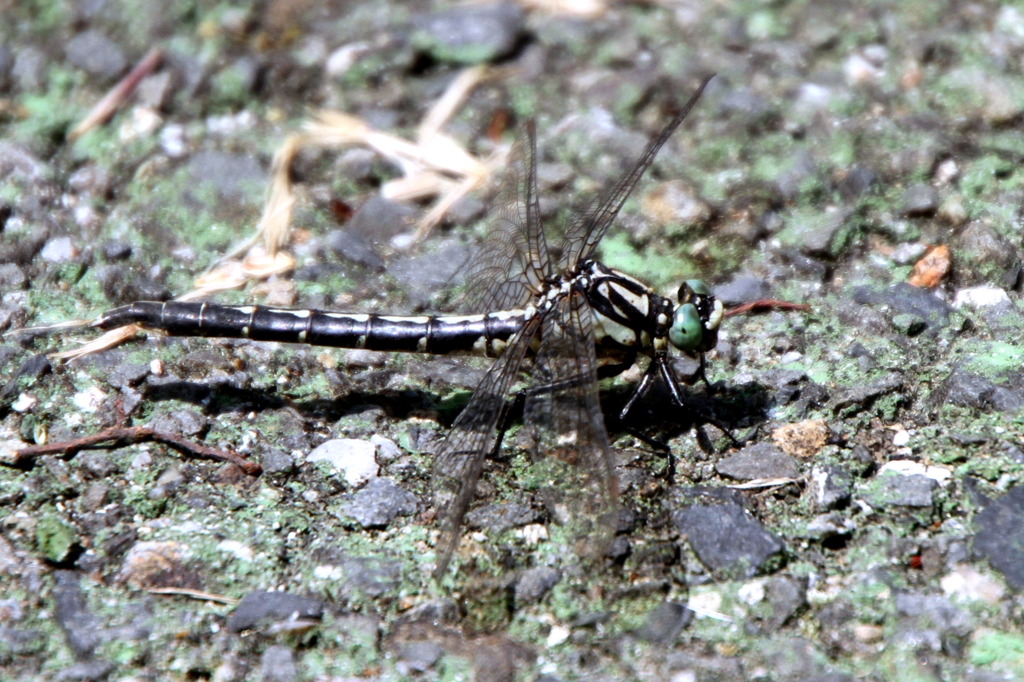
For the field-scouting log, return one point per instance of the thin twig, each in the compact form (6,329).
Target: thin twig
(766,304)
(121,435)
(113,100)
(194,594)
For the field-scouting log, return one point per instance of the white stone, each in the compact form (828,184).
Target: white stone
(907,467)
(58,250)
(980,297)
(970,584)
(24,402)
(355,459)
(557,635)
(90,399)
(707,604)
(752,592)
(387,449)
(239,549)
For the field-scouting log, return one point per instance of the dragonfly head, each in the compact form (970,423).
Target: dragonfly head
(695,323)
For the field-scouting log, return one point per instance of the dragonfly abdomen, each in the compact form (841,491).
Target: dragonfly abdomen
(485,334)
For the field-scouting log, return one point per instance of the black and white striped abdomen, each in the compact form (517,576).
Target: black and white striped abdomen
(480,334)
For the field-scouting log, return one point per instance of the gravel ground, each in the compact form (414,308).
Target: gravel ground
(865,161)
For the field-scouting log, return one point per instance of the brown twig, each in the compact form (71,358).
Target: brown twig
(121,435)
(765,304)
(112,101)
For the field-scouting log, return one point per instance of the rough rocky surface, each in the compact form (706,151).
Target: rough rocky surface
(869,527)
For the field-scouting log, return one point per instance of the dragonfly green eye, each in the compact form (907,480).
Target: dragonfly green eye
(687,328)
(697,286)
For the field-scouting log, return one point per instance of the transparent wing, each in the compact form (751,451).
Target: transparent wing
(472,439)
(563,420)
(513,263)
(585,230)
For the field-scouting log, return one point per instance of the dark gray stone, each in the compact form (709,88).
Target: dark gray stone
(116,250)
(782,379)
(97,464)
(436,611)
(906,299)
(380,219)
(85,671)
(358,165)
(83,630)
(742,289)
(21,642)
(29,70)
(97,54)
(156,90)
(350,247)
(96,496)
(895,490)
(128,374)
(920,200)
(983,254)
(123,284)
(865,393)
(999,536)
(12,277)
(471,34)
(973,390)
(761,460)
(371,576)
(181,422)
(727,539)
(233,179)
(665,622)
(264,608)
(277,461)
(167,482)
(858,181)
(785,595)
(934,610)
(497,518)
(424,275)
(534,583)
(931,621)
(277,664)
(418,656)
(467,210)
(752,109)
(378,503)
(32,368)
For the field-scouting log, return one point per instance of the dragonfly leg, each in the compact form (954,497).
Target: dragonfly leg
(702,373)
(669,377)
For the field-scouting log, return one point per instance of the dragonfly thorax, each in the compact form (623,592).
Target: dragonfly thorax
(630,315)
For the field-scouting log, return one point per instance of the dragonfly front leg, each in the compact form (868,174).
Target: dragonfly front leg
(669,377)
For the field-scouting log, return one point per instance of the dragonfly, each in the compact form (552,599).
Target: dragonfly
(554,319)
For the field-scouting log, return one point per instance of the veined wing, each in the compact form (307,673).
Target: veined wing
(563,420)
(472,439)
(514,261)
(585,231)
